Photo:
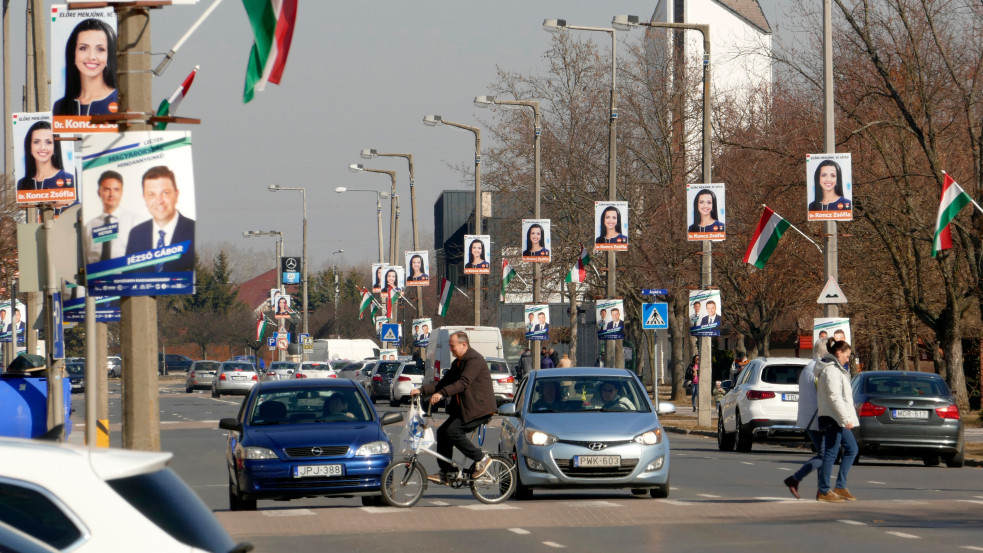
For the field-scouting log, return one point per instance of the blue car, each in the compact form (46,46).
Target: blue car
(306,438)
(586,427)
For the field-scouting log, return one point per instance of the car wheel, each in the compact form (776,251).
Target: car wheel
(215,392)
(744,439)
(233,496)
(187,389)
(931,460)
(725,440)
(661,491)
(393,402)
(956,460)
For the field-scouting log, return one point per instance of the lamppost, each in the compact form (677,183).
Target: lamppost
(336,290)
(277,255)
(615,354)
(433,121)
(484,102)
(303,192)
(379,196)
(627,22)
(393,207)
(370,153)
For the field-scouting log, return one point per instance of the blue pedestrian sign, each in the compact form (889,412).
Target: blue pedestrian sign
(655,292)
(655,316)
(389,333)
(58,346)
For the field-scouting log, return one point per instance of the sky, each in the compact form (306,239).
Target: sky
(359,75)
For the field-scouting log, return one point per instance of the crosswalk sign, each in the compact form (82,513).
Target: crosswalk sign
(655,316)
(389,333)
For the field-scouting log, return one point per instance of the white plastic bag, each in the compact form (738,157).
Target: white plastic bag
(415,436)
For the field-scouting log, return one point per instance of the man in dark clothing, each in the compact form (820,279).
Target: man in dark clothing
(470,403)
(525,364)
(555,357)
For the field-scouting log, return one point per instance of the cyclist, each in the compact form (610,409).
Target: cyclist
(470,403)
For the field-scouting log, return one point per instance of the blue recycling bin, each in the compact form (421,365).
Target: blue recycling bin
(24,406)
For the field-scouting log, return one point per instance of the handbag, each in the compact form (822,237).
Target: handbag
(416,435)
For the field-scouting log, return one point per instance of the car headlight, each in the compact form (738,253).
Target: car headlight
(538,437)
(652,437)
(373,448)
(257,453)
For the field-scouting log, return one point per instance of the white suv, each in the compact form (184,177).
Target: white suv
(763,403)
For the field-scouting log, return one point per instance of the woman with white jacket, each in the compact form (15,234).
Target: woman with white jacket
(837,417)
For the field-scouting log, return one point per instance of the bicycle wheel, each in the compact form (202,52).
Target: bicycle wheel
(403,483)
(497,483)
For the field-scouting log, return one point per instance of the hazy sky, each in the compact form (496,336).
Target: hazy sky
(360,75)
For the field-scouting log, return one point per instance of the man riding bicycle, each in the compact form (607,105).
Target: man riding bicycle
(470,403)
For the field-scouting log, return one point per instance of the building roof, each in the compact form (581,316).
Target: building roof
(750,11)
(255,292)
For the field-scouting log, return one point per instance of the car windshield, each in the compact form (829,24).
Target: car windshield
(310,405)
(75,369)
(905,385)
(206,366)
(781,374)
(586,393)
(238,367)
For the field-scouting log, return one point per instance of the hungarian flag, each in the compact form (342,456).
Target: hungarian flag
(373,311)
(508,273)
(766,236)
(260,327)
(392,299)
(446,291)
(366,302)
(273,29)
(579,271)
(954,198)
(169,106)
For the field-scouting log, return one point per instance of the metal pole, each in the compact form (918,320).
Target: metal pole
(831,252)
(92,376)
(416,242)
(303,192)
(477,219)
(378,215)
(281,354)
(706,277)
(615,353)
(395,257)
(56,367)
(40,57)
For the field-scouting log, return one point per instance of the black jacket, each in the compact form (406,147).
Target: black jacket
(467,386)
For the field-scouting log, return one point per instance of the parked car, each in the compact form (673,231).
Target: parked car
(201,375)
(114,364)
(585,427)
(305,438)
(763,403)
(171,362)
(407,378)
(503,379)
(315,369)
(909,414)
(280,370)
(77,499)
(382,376)
(75,371)
(234,377)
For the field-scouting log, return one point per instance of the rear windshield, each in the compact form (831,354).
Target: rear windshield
(413,369)
(498,368)
(388,369)
(206,366)
(906,385)
(75,369)
(239,367)
(167,501)
(781,374)
(283,366)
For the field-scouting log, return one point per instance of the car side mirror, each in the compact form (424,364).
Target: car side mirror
(507,410)
(391,418)
(666,408)
(229,424)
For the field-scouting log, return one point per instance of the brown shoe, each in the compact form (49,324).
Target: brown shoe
(829,497)
(845,494)
(793,486)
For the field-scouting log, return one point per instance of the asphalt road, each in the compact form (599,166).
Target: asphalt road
(717,500)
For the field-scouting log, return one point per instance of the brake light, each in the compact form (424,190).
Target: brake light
(949,412)
(377,378)
(300,375)
(510,380)
(191,374)
(221,376)
(868,409)
(757,394)
(255,377)
(332,375)
(403,379)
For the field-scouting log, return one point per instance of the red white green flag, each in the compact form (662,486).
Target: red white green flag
(508,273)
(273,29)
(392,299)
(954,198)
(169,106)
(579,271)
(260,327)
(365,303)
(765,239)
(446,291)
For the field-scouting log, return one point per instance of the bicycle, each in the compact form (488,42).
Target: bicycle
(405,480)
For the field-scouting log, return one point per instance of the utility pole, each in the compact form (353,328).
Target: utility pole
(831,251)
(36,98)
(141,403)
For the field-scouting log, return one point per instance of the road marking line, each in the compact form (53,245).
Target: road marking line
(903,535)
(484,507)
(380,510)
(675,502)
(854,522)
(287,512)
(978,496)
(554,544)
(520,531)
(780,499)
(440,503)
(707,495)
(876,482)
(785,468)
(594,504)
(971,501)
(972,547)
(747,463)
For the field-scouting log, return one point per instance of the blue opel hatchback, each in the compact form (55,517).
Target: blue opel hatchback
(306,438)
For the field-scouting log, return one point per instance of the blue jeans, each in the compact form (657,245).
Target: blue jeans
(817,460)
(696,392)
(834,436)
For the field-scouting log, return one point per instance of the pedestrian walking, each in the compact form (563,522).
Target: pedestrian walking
(545,361)
(565,361)
(525,364)
(694,372)
(808,417)
(837,418)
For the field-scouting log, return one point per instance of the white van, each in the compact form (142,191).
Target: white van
(355,350)
(486,340)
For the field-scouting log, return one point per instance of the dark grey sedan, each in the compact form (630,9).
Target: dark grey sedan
(382,378)
(908,414)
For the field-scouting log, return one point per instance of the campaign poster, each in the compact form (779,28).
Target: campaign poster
(138,213)
(378,276)
(610,319)
(388,354)
(537,322)
(44,167)
(829,187)
(611,226)
(477,254)
(418,268)
(536,240)
(704,313)
(379,321)
(73,307)
(84,80)
(707,216)
(11,320)
(421,332)
(282,306)
(394,277)
(837,328)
